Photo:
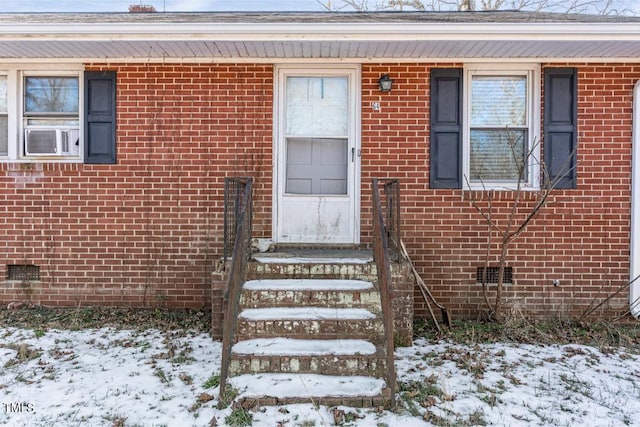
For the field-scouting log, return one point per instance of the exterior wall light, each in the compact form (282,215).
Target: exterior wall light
(385,83)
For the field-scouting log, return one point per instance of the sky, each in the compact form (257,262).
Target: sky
(183,5)
(160,5)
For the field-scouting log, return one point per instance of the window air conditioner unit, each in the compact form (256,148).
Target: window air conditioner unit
(51,142)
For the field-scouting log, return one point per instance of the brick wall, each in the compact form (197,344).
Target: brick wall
(147,230)
(581,238)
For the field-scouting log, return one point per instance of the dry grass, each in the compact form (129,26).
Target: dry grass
(42,318)
(600,334)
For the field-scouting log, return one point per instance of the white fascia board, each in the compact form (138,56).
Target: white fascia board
(342,31)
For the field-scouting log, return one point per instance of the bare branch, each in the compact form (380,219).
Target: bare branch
(592,308)
(599,7)
(515,223)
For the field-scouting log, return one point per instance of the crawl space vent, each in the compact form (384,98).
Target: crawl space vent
(492,275)
(24,273)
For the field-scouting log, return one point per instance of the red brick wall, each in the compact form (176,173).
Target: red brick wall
(148,230)
(581,238)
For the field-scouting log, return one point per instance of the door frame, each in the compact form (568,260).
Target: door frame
(634,257)
(281,71)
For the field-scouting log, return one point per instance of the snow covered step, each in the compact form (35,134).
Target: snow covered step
(305,322)
(311,292)
(307,284)
(302,347)
(278,388)
(306,313)
(334,357)
(283,258)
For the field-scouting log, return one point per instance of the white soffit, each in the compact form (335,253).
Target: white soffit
(157,37)
(319,50)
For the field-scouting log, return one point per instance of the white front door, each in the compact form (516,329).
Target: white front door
(316,191)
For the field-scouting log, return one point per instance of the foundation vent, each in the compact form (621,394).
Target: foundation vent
(492,275)
(23,272)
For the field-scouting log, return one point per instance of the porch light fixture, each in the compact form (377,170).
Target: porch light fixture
(385,83)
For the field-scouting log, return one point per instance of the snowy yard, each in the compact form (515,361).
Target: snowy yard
(111,377)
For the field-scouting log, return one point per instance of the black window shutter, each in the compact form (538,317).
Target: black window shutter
(560,125)
(100,117)
(446,128)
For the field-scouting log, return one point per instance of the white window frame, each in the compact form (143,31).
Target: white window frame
(16,74)
(532,73)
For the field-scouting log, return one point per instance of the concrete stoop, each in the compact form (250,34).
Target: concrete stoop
(311,328)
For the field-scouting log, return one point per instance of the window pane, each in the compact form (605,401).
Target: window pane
(498,101)
(53,122)
(497,155)
(317,106)
(316,166)
(51,95)
(4,131)
(3,94)
(4,136)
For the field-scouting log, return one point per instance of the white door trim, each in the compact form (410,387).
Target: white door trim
(634,288)
(279,156)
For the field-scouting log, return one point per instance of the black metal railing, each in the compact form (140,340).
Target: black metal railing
(382,230)
(391,211)
(233,192)
(238,192)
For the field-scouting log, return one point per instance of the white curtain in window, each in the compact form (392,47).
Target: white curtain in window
(498,101)
(317,106)
(498,134)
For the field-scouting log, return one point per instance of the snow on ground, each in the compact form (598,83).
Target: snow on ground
(108,377)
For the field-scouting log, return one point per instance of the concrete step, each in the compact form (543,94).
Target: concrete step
(280,389)
(311,269)
(311,293)
(314,257)
(304,322)
(307,285)
(331,357)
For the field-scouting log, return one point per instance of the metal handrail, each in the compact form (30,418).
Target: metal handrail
(392,195)
(237,274)
(233,191)
(383,267)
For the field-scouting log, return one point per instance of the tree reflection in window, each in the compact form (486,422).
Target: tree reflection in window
(51,95)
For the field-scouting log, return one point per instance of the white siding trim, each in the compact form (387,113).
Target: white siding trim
(323,31)
(634,267)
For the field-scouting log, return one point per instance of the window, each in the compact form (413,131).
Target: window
(65,115)
(484,127)
(500,141)
(4,120)
(51,116)
(316,134)
(51,97)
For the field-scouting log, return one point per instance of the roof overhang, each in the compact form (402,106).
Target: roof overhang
(204,38)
